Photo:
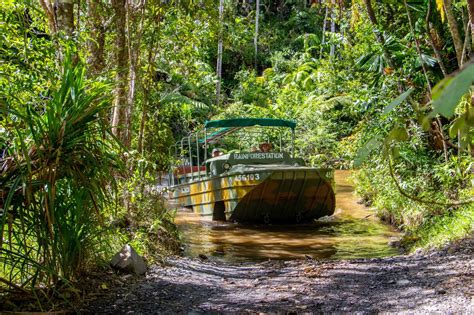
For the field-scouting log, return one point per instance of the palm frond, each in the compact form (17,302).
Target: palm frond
(177,98)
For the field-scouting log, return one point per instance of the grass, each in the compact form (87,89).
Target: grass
(425,224)
(56,177)
(441,230)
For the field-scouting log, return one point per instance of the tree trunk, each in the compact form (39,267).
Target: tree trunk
(96,42)
(219,53)
(133,79)
(148,81)
(470,11)
(333,27)
(255,39)
(378,35)
(433,42)
(418,50)
(121,77)
(64,14)
(143,120)
(466,47)
(453,28)
(49,11)
(323,40)
(136,18)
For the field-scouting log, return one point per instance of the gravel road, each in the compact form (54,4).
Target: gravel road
(434,282)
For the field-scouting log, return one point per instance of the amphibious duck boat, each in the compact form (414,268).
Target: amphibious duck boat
(248,185)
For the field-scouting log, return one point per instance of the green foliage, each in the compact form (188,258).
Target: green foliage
(59,161)
(439,230)
(426,224)
(56,177)
(344,111)
(143,220)
(447,93)
(251,89)
(24,70)
(400,99)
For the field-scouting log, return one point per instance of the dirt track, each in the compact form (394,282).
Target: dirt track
(440,282)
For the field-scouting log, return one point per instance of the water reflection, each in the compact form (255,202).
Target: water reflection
(353,232)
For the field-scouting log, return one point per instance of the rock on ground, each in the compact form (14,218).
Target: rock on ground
(437,282)
(127,259)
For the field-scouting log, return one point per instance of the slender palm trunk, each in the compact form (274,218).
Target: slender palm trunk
(466,47)
(133,79)
(96,43)
(255,39)
(219,53)
(432,41)
(333,27)
(143,120)
(121,60)
(64,14)
(453,28)
(135,17)
(470,11)
(49,11)
(323,39)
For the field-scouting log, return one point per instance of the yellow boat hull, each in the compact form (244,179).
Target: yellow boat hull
(261,195)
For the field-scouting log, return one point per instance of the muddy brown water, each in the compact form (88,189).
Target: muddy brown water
(352,232)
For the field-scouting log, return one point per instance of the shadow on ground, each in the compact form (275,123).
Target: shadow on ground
(438,282)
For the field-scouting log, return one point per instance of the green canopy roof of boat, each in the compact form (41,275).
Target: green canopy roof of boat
(249,122)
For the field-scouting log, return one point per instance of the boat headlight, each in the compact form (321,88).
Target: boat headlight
(227,166)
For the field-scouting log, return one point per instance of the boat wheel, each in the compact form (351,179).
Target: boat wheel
(266,219)
(298,217)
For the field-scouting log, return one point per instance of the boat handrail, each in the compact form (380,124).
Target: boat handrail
(226,126)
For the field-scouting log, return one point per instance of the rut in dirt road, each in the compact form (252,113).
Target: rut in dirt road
(436,282)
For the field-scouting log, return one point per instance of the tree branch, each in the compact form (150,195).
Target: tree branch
(416,199)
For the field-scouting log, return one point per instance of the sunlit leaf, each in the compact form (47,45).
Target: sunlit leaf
(401,98)
(440,7)
(448,92)
(366,149)
(268,72)
(457,125)
(395,152)
(398,133)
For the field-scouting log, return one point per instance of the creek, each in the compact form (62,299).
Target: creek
(353,231)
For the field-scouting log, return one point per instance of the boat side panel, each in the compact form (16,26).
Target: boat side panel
(286,197)
(204,194)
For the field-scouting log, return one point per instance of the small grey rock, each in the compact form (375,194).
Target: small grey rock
(403,282)
(129,260)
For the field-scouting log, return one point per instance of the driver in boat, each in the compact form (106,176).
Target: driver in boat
(216,152)
(265,147)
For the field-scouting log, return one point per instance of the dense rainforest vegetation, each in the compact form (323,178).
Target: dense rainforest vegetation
(93,93)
